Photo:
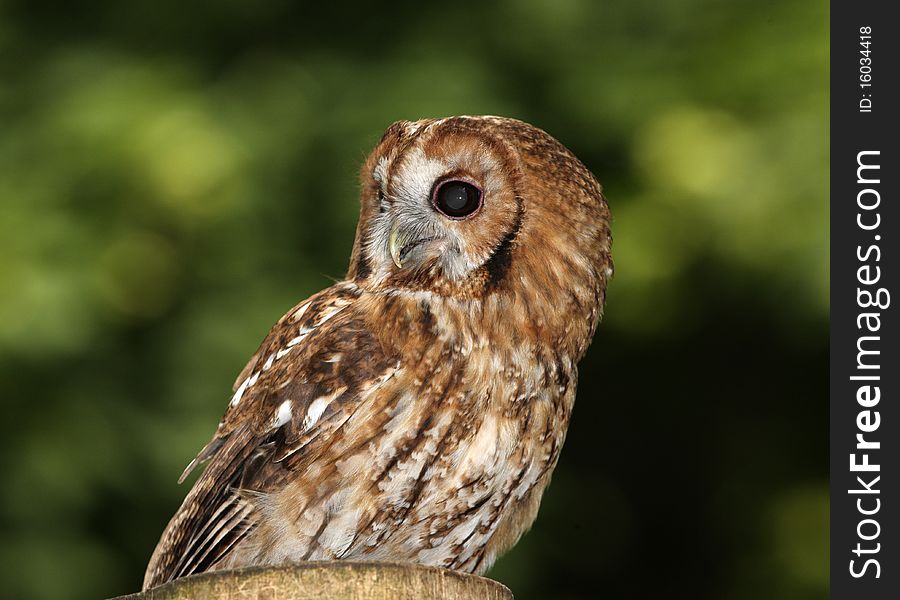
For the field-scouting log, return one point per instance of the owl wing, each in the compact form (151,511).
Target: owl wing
(310,374)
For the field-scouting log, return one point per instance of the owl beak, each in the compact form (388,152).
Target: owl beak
(404,244)
(395,244)
(409,247)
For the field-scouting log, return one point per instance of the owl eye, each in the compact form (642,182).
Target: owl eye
(456,199)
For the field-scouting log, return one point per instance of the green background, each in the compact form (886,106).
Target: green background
(174,176)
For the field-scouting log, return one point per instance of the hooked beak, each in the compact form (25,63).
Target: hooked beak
(401,244)
(395,245)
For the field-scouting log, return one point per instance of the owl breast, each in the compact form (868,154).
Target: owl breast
(458,438)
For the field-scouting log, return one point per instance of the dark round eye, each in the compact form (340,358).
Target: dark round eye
(457,199)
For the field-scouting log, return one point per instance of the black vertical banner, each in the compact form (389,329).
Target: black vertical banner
(865,270)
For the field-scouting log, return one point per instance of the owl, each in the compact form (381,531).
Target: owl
(414,411)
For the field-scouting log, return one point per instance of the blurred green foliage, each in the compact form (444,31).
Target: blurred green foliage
(173,176)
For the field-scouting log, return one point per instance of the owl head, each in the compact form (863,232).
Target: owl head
(480,207)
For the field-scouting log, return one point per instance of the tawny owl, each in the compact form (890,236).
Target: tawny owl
(414,411)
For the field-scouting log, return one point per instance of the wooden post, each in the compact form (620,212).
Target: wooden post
(332,580)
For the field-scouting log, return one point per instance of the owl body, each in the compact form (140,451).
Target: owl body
(415,411)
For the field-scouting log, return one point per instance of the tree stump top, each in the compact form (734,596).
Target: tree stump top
(331,580)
